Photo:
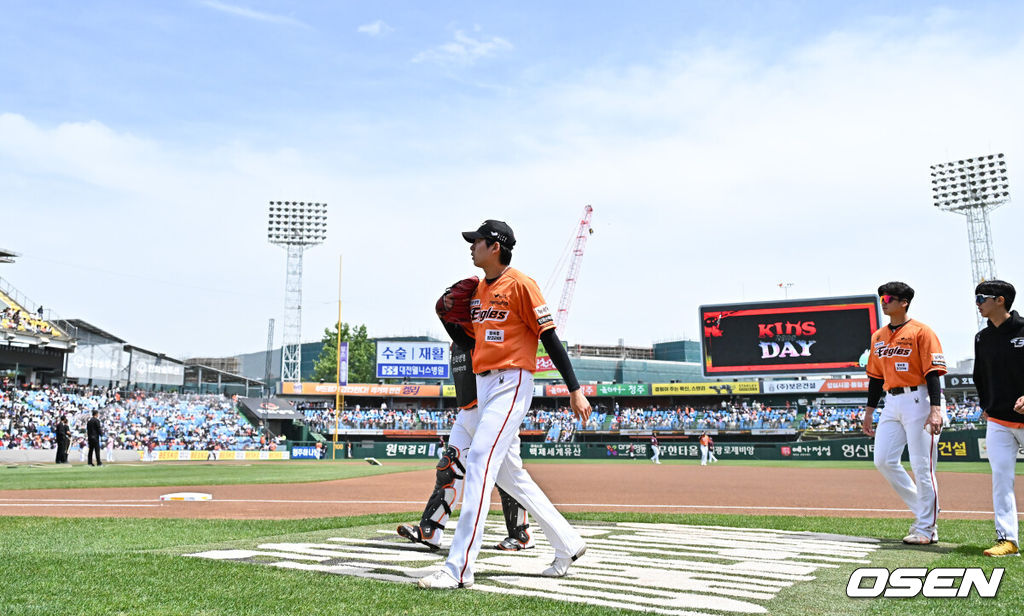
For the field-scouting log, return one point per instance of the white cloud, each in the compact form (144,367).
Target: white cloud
(247,13)
(463,49)
(376,28)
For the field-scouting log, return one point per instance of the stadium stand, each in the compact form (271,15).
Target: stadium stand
(134,419)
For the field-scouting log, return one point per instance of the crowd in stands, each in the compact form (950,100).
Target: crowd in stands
(145,421)
(19,320)
(851,419)
(560,425)
(170,421)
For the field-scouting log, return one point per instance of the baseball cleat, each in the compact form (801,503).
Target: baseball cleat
(1003,548)
(414,534)
(441,580)
(916,539)
(560,566)
(508,544)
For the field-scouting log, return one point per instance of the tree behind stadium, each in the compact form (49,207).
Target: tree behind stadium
(362,355)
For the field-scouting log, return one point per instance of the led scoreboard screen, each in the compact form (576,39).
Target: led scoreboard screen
(809,336)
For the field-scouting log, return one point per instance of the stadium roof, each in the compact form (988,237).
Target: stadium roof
(7,256)
(92,329)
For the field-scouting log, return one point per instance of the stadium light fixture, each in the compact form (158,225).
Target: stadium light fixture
(295,225)
(973,187)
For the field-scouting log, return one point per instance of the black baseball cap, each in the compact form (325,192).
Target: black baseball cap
(494,230)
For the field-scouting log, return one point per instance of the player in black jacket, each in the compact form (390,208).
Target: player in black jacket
(999,377)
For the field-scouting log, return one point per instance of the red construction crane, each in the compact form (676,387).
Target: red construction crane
(583,231)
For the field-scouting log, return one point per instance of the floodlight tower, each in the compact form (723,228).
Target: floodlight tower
(296,225)
(973,187)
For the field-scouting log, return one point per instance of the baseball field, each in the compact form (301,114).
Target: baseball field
(318,538)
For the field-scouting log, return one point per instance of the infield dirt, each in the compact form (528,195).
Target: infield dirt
(632,488)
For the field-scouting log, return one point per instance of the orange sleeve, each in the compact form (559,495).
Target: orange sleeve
(874,369)
(535,311)
(930,352)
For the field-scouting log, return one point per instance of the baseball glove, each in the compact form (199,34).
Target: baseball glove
(453,305)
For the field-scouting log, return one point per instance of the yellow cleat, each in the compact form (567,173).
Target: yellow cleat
(1003,548)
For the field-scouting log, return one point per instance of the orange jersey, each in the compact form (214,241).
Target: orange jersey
(903,357)
(705,440)
(508,317)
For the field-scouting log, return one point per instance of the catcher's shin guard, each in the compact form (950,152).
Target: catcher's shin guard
(519,537)
(450,473)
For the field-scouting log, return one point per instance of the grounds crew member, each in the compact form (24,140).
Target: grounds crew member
(999,378)
(906,363)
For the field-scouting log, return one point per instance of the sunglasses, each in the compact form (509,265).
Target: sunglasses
(888,299)
(980,298)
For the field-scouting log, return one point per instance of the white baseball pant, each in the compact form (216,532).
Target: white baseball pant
(1003,444)
(703,455)
(504,397)
(902,424)
(656,458)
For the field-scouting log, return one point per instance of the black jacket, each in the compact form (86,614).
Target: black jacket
(999,367)
(62,432)
(93,428)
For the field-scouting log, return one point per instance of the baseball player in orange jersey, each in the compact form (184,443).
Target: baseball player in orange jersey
(906,363)
(509,316)
(705,447)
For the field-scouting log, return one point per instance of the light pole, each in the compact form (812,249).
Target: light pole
(296,225)
(785,287)
(973,187)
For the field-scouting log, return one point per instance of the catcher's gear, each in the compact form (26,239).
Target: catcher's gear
(453,305)
(462,375)
(448,484)
(519,537)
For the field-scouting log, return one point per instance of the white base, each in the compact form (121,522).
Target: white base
(186,496)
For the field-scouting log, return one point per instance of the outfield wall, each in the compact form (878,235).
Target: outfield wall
(961,445)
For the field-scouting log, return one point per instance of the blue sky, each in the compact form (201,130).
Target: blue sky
(725,147)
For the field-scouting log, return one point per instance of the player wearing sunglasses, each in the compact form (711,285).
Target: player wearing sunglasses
(999,377)
(905,364)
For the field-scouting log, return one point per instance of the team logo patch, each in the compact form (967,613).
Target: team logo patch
(879,344)
(494,335)
(938,359)
(1018,343)
(542,311)
(488,314)
(893,351)
(902,366)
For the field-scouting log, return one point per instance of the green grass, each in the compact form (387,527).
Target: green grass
(54,566)
(31,477)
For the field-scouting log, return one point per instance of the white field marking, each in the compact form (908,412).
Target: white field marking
(109,506)
(627,566)
(79,500)
(853,556)
(497,504)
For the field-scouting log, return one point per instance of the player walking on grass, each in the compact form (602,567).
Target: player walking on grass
(906,363)
(508,316)
(999,377)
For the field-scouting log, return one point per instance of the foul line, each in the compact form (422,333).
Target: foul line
(59,502)
(69,505)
